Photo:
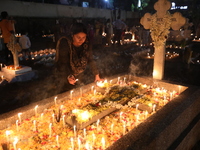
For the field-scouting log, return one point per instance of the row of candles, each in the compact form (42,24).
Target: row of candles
(75,141)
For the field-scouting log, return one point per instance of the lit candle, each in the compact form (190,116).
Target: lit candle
(118,80)
(57,140)
(146,114)
(124,80)
(98,124)
(34,125)
(84,132)
(19,116)
(41,116)
(71,94)
(15,143)
(63,118)
(74,131)
(79,143)
(111,128)
(154,108)
(53,118)
(17,125)
(95,92)
(124,127)
(55,100)
(72,143)
(36,110)
(7,135)
(110,81)
(120,116)
(137,105)
(50,125)
(103,143)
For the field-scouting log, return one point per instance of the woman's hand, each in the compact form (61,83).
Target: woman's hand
(71,79)
(97,78)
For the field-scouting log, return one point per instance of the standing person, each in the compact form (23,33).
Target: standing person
(108,30)
(73,55)
(25,43)
(119,26)
(7,28)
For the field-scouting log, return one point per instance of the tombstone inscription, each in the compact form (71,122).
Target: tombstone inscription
(159,24)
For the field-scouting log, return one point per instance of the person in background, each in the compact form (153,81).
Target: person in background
(119,26)
(73,55)
(25,43)
(7,28)
(108,30)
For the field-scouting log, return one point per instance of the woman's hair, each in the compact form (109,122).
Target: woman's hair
(4,14)
(77,28)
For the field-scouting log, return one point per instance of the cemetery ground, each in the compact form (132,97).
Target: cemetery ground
(110,61)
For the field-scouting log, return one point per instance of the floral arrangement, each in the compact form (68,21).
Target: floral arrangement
(159,28)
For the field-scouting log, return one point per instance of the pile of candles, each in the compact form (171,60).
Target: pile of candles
(49,130)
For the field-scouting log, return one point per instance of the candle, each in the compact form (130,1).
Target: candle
(74,131)
(110,81)
(98,124)
(19,116)
(154,108)
(95,92)
(57,140)
(50,125)
(120,116)
(53,118)
(146,114)
(7,135)
(124,80)
(79,143)
(81,92)
(17,125)
(36,110)
(118,80)
(137,105)
(103,143)
(124,127)
(179,89)
(84,132)
(15,143)
(71,94)
(93,138)
(72,143)
(34,125)
(92,88)
(41,116)
(111,128)
(55,100)
(63,118)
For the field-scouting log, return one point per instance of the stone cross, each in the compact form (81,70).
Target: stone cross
(159,24)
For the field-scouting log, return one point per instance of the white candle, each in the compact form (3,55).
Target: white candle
(146,114)
(120,116)
(7,135)
(92,88)
(111,128)
(74,131)
(19,116)
(50,125)
(53,118)
(17,125)
(41,116)
(98,124)
(55,100)
(36,110)
(124,80)
(137,105)
(71,94)
(93,138)
(179,89)
(63,118)
(110,81)
(95,92)
(72,143)
(81,92)
(124,127)
(118,80)
(103,143)
(34,125)
(57,140)
(154,108)
(79,143)
(84,132)
(15,143)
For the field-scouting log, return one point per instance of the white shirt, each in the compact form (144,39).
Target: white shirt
(24,42)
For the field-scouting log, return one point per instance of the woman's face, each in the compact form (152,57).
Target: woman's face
(79,39)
